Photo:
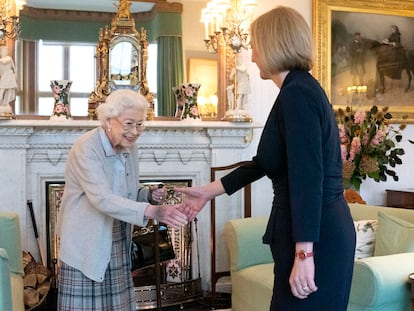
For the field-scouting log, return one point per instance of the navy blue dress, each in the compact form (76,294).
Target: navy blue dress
(299,151)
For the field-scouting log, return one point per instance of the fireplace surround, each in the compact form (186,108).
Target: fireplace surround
(33,154)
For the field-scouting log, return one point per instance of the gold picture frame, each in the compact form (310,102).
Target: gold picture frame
(372,16)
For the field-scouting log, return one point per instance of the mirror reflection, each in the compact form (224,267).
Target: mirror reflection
(164,56)
(123,64)
(122,58)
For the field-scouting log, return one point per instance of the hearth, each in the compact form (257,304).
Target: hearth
(177,284)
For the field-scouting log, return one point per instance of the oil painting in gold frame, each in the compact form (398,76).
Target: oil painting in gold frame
(336,20)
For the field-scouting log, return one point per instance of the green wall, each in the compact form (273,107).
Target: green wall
(163,24)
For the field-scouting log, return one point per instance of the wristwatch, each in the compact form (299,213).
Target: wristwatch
(302,255)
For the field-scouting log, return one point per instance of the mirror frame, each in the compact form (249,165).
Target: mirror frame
(122,29)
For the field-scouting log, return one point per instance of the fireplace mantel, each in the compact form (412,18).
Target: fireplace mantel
(34,152)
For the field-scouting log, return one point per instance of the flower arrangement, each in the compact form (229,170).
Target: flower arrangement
(368,145)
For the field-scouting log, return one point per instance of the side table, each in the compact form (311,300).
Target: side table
(403,198)
(411,281)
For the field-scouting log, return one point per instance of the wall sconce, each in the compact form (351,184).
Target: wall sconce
(225,25)
(9,23)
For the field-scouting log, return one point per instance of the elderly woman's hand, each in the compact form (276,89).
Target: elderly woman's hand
(173,215)
(157,195)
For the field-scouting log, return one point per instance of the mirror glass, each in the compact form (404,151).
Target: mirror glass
(123,64)
(104,72)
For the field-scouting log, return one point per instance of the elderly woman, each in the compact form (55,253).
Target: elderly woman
(101,201)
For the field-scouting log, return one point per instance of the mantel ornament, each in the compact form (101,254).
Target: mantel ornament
(121,57)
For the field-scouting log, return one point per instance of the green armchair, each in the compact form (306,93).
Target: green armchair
(11,263)
(379,282)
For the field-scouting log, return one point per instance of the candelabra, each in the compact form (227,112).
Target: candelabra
(9,22)
(225,25)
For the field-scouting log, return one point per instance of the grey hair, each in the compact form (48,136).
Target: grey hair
(118,101)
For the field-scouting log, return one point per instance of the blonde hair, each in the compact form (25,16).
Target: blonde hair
(120,100)
(282,40)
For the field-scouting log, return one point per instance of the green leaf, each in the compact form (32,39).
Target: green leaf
(399,151)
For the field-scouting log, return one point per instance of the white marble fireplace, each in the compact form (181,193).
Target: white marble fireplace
(34,152)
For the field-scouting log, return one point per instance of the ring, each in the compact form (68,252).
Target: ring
(305,288)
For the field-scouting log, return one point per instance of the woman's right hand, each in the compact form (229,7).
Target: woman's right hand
(194,198)
(170,214)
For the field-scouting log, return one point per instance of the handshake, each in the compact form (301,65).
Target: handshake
(176,207)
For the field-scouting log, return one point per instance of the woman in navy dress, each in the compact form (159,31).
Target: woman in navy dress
(310,229)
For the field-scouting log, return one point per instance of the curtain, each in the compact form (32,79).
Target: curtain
(170,73)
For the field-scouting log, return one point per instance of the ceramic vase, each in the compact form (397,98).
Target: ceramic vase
(186,95)
(61,92)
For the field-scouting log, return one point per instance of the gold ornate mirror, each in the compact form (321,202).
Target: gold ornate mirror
(121,57)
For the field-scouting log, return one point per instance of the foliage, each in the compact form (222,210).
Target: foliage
(369,145)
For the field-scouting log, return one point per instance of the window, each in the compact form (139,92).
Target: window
(63,61)
(152,72)
(57,61)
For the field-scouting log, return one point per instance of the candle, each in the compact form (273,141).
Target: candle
(206,30)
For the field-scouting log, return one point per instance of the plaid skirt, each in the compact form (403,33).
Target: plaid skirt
(76,292)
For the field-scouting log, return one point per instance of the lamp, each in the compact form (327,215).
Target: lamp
(9,23)
(225,25)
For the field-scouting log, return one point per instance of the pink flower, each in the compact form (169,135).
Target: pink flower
(355,148)
(344,152)
(379,137)
(59,108)
(194,111)
(342,134)
(188,91)
(359,116)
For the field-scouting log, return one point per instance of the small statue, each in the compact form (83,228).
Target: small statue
(8,82)
(243,84)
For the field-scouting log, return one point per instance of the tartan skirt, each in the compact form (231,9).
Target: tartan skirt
(76,292)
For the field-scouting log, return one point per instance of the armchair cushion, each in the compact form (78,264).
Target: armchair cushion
(244,241)
(5,287)
(10,239)
(394,235)
(365,238)
(380,283)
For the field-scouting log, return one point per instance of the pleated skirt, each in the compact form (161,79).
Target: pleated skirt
(116,292)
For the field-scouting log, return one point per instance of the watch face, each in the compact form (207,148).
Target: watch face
(302,255)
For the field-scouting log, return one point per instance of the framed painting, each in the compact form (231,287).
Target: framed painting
(204,71)
(365,53)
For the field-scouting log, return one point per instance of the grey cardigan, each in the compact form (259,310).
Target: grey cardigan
(89,204)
